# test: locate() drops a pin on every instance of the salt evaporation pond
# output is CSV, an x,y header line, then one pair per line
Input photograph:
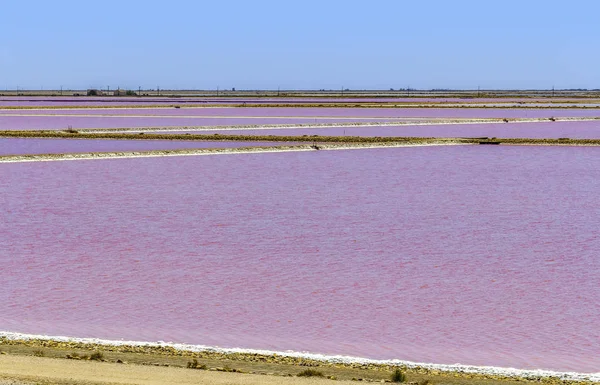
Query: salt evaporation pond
x,y
316,112
536,130
83,122
24,146
33,101
471,254
59,101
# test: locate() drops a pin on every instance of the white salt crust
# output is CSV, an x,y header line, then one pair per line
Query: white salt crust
x,y
458,368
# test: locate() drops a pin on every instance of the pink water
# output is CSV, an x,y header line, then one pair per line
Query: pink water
x,y
116,101
310,112
472,254
567,129
80,122
21,146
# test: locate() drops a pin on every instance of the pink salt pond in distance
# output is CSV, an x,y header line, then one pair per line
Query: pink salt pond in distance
x,y
31,101
316,112
13,123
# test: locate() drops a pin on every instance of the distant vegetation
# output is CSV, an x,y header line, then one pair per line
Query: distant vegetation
x,y
398,376
97,356
310,373
194,364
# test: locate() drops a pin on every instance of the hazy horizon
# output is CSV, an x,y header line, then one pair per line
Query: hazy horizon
x,y
331,90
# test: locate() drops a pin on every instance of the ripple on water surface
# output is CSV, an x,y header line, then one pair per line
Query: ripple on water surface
x,y
470,254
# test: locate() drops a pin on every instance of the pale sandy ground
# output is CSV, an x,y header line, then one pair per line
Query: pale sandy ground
x,y
23,370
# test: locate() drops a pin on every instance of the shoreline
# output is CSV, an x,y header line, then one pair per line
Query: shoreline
x,y
228,356
319,144
421,121
213,151
379,122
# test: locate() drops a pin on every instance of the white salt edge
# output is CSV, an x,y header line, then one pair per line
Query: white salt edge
x,y
492,370
383,122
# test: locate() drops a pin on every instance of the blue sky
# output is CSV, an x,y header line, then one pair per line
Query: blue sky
x,y
260,44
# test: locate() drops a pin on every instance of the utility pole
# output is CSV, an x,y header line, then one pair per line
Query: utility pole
x,y
408,91
217,91
60,90
478,89
277,91
139,90
158,90
552,91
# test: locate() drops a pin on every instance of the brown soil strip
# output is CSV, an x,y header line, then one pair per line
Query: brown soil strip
x,y
351,140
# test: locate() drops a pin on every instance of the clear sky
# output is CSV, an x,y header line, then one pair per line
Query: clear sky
x,y
307,44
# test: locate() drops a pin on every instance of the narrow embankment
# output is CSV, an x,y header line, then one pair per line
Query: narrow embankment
x,y
299,139
391,122
213,151
381,122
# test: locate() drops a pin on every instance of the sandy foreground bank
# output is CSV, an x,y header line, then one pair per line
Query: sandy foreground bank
x,y
40,370
19,367
75,361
